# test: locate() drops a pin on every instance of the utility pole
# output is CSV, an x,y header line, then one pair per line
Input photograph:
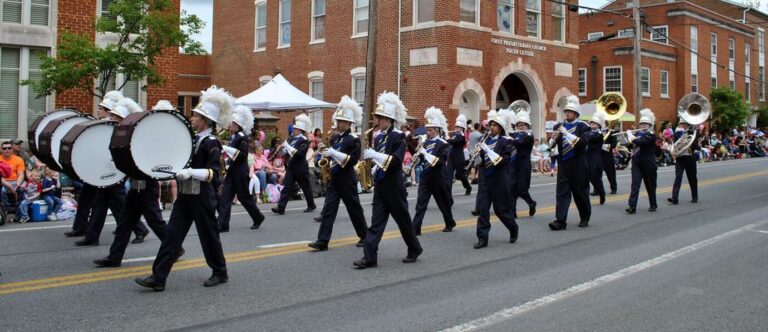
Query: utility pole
x,y
370,66
638,92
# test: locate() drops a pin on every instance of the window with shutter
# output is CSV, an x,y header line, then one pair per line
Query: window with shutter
x,y
131,90
39,12
12,11
36,106
9,91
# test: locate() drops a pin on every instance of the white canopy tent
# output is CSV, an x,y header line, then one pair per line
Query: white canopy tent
x,y
279,94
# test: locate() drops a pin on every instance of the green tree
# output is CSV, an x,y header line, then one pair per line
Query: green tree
x,y
141,30
762,117
728,108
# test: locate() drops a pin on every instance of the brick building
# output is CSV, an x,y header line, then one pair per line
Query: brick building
x,y
31,26
464,56
694,46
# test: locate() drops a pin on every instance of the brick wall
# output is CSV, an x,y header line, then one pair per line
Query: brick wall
x,y
237,67
79,16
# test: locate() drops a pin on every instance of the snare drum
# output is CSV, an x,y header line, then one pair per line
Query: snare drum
x,y
152,145
85,154
33,134
49,143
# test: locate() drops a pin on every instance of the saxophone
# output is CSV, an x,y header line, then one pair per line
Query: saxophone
x,y
325,167
363,166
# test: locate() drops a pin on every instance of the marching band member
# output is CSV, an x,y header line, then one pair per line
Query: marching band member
x,y
141,200
197,195
114,107
432,156
685,162
609,162
493,178
521,162
572,173
237,179
297,168
389,195
455,166
595,154
643,161
342,155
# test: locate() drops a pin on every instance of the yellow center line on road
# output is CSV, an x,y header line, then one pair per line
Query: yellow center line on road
x,y
253,255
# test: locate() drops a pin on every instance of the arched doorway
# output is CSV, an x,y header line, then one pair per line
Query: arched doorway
x,y
470,105
519,81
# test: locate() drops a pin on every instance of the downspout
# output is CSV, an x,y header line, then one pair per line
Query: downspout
x,y
744,15
399,23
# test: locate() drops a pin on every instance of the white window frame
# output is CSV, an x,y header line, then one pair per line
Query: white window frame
x,y
713,45
477,14
695,82
355,19
731,49
416,12
747,55
593,36
29,14
659,38
356,73
256,48
664,83
315,77
713,81
580,71
747,92
280,24
22,19
563,17
538,20
694,38
647,82
511,17
621,77
625,33
312,39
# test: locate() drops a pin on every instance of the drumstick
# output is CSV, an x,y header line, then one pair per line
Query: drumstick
x,y
163,171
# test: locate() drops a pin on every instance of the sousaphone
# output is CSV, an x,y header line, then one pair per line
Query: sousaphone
x,y
692,109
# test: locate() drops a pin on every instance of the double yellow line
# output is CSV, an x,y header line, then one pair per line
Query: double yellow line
x,y
254,255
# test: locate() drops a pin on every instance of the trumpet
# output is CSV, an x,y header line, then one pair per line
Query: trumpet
x,y
417,158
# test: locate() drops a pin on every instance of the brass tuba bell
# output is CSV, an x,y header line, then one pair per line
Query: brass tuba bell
x,y
519,105
613,104
694,109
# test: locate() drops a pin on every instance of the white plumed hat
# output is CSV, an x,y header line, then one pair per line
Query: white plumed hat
x,y
163,105
647,116
216,104
599,118
243,116
390,106
508,118
303,122
436,119
124,107
110,99
461,121
572,104
348,110
524,116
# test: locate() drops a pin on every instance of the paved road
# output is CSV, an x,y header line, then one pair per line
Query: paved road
x,y
688,267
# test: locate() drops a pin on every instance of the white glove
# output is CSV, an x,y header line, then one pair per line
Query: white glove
x,y
184,174
606,147
422,151
570,137
379,158
485,147
562,130
288,148
230,151
430,158
630,136
339,157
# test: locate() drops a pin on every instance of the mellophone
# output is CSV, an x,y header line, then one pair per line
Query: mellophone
x,y
143,146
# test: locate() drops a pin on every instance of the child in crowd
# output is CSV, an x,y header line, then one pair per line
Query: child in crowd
x,y
31,190
50,193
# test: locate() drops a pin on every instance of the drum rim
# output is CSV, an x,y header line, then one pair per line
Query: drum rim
x,y
31,132
47,156
130,123
69,141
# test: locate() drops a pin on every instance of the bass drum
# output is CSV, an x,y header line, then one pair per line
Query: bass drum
x,y
33,134
85,154
152,145
49,143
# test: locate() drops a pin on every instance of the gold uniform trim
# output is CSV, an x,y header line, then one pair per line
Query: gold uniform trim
x,y
345,161
496,160
386,163
237,152
434,161
209,178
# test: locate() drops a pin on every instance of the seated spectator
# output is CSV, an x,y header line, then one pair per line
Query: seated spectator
x,y
50,193
260,166
29,159
31,191
11,183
